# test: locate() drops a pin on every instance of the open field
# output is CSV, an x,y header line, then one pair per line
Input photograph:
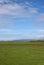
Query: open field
x,y
21,53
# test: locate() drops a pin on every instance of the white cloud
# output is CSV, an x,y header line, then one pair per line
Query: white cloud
x,y
41,30
5,30
17,36
40,17
2,23
17,10
1,1
33,10
40,36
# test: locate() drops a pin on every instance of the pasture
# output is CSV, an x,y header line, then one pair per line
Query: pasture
x,y
22,53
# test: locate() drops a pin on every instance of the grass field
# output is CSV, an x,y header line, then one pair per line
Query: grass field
x,y
21,53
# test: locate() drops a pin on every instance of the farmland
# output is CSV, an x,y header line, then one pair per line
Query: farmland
x,y
22,53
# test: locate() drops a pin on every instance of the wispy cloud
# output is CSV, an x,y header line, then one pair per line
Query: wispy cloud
x,y
17,10
33,10
5,31
15,36
40,17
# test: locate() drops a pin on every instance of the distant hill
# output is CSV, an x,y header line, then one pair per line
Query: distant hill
x,y
22,40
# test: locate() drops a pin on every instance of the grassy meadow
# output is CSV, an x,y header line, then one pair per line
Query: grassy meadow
x,y
22,53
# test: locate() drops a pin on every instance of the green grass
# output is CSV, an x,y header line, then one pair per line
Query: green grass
x,y
21,53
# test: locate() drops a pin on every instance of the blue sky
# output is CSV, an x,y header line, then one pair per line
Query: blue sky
x,y
21,19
